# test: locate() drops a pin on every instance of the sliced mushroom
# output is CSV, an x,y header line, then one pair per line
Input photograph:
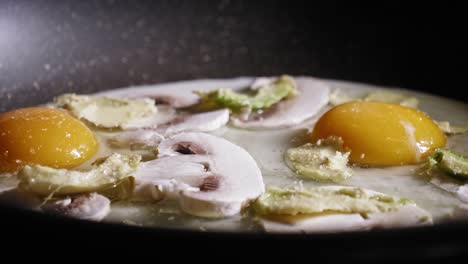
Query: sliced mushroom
x,y
90,206
164,115
202,122
313,96
406,215
210,176
175,99
177,94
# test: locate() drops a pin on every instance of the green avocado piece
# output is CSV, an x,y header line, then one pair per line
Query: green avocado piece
x,y
320,162
449,162
393,97
43,181
119,190
264,97
315,200
104,111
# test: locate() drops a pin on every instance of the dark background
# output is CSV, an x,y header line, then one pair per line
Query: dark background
x,y
50,47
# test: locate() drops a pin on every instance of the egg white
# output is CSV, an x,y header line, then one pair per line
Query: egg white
x,y
268,147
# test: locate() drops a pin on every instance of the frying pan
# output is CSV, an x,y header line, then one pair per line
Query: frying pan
x,y
53,47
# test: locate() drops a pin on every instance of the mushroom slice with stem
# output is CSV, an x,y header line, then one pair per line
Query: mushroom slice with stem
x,y
312,96
210,176
90,206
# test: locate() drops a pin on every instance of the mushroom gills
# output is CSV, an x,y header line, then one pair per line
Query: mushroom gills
x,y
207,181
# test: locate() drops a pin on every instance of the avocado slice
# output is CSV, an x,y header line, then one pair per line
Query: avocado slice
x,y
104,111
109,174
314,200
449,162
264,97
321,162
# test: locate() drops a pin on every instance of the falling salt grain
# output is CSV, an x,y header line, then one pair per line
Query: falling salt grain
x,y
36,86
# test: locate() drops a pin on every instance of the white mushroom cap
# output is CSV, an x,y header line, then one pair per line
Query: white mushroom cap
x,y
210,176
90,206
313,96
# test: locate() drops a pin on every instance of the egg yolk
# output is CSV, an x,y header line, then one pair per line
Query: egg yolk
x,y
45,136
381,134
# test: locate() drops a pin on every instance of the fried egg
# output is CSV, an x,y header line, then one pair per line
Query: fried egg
x,y
381,134
391,163
44,136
